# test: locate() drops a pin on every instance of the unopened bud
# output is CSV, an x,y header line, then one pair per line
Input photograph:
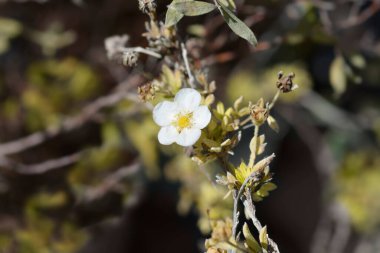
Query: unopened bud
x,y
146,92
147,6
130,58
259,112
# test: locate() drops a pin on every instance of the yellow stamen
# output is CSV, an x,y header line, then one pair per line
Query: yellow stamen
x,y
184,121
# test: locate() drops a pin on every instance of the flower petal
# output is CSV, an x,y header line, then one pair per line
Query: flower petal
x,y
164,113
201,117
188,137
188,99
167,135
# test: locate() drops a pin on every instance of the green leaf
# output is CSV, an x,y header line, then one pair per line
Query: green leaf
x,y
264,237
250,240
272,122
173,16
268,187
193,8
230,4
338,78
238,26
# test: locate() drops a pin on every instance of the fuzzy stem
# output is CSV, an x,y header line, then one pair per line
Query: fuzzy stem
x,y
248,203
236,201
274,100
144,51
187,66
245,121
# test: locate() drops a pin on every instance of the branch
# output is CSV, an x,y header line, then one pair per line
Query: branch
x,y
40,168
253,177
187,66
248,203
110,182
88,113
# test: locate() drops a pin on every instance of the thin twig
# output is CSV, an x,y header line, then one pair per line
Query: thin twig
x,y
87,114
274,100
187,66
361,18
253,176
248,203
39,168
143,51
110,182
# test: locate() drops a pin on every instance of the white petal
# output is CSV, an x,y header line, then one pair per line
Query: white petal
x,y
164,113
201,117
167,135
188,137
188,99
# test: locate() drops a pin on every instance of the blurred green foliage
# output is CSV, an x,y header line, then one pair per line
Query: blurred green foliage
x,y
9,28
358,189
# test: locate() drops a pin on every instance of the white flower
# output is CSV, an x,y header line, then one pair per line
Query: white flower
x,y
181,121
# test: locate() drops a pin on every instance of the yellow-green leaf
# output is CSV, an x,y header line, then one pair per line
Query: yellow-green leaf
x,y
273,124
264,237
173,16
338,78
250,240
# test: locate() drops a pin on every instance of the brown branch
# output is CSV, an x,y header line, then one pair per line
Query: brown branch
x,y
362,17
110,182
88,113
40,168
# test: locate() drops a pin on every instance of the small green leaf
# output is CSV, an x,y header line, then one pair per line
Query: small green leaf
x,y
193,8
273,124
238,26
250,240
173,16
268,187
264,237
338,78
230,4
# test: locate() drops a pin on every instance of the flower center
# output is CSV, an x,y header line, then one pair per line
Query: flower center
x,y
184,121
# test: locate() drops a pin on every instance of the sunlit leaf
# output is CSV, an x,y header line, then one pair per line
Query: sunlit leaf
x,y
238,26
338,78
193,8
273,124
250,240
228,3
264,237
173,16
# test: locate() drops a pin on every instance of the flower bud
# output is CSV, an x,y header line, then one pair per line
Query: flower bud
x,y
130,58
147,6
146,92
285,83
259,112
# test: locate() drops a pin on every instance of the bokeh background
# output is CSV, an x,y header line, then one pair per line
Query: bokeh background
x,y
80,167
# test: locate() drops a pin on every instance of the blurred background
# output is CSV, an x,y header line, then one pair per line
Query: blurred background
x,y
80,166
